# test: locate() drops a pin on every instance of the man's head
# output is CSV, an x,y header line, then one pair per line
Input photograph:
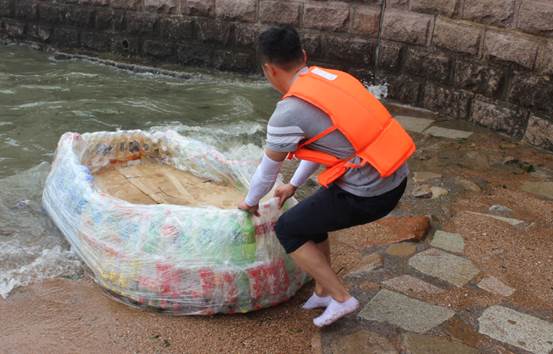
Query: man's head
x,y
281,56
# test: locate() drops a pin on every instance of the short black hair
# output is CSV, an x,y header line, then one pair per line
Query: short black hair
x,y
281,46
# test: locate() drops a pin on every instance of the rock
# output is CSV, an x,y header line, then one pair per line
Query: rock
x,y
445,266
510,221
423,191
500,209
539,132
510,121
468,185
421,344
362,341
494,285
403,249
367,265
405,312
543,189
518,329
438,192
407,227
448,241
448,133
407,284
420,177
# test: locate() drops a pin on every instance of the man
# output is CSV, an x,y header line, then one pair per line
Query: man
x,y
326,117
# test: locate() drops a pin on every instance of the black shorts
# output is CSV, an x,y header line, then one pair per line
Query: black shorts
x,y
331,209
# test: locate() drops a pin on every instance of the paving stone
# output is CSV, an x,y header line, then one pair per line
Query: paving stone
x,y
420,177
421,344
406,284
510,221
438,192
417,125
447,133
403,249
544,189
362,341
448,241
517,329
405,312
496,286
367,265
445,266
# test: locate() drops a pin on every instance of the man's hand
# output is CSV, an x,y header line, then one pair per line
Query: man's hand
x,y
284,192
254,210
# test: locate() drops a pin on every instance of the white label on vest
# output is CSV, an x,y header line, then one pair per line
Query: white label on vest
x,y
324,74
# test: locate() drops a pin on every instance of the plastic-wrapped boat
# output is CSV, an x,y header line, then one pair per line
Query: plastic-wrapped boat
x,y
125,202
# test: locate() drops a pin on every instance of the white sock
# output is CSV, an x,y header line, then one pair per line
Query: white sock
x,y
316,301
336,310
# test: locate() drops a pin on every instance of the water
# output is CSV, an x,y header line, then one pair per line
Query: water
x,y
42,98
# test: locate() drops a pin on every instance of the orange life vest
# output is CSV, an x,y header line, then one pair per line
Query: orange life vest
x,y
376,136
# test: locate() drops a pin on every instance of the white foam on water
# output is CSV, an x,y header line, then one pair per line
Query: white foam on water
x,y
7,92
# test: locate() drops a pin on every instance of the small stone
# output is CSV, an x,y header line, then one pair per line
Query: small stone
x,y
438,192
517,329
362,341
510,221
407,227
543,189
500,209
421,344
445,266
423,191
407,284
367,265
403,249
447,133
417,125
405,312
421,177
448,241
494,285
469,185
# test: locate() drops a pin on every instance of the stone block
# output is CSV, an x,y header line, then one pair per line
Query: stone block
x,y
454,103
539,133
239,10
141,23
25,10
329,16
214,31
389,56
545,59
491,12
478,78
512,47
158,49
406,27
448,241
161,6
407,227
403,88
445,266
54,15
79,16
423,344
176,28
442,7
100,42
94,2
246,34
349,50
510,121
457,36
532,91
366,20
126,4
6,8
535,17
405,312
204,8
398,4
13,28
103,20
517,329
402,249
234,61
495,286
312,43
407,284
279,12
426,63
65,37
195,54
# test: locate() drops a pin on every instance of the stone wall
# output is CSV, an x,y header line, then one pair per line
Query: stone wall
x,y
486,61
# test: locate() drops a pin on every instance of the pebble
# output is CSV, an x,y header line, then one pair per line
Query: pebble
x,y
423,191
500,209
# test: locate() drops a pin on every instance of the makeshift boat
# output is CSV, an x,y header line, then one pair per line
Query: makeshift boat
x,y
153,216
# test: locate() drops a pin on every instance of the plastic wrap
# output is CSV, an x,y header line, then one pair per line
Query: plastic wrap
x,y
181,259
